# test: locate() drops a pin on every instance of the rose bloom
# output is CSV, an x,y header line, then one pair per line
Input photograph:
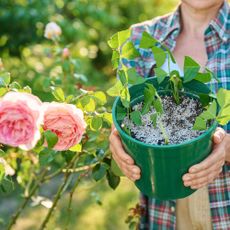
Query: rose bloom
x,y
66,121
20,119
65,53
52,30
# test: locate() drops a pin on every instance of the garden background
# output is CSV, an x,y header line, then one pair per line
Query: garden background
x,y
86,27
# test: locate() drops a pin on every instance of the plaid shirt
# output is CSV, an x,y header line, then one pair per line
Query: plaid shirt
x,y
161,214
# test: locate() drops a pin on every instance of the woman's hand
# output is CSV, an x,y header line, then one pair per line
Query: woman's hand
x,y
123,160
205,172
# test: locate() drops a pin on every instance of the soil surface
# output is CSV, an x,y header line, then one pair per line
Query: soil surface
x,y
178,121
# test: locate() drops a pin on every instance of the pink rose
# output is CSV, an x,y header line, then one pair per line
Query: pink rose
x,y
20,119
65,53
66,121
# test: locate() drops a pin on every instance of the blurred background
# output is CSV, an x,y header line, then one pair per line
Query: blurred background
x,y
86,26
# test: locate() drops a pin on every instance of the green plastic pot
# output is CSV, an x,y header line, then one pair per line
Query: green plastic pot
x,y
162,167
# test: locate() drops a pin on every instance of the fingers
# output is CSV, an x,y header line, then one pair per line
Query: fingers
x,y
219,135
203,178
206,171
131,171
115,141
124,161
216,156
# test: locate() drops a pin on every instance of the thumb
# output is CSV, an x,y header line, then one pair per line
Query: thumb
x,y
218,136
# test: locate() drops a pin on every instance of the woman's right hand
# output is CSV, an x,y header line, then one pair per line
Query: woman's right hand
x,y
123,160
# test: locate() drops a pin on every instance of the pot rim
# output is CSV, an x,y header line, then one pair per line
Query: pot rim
x,y
187,142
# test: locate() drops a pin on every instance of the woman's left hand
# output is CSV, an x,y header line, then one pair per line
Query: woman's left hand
x,y
205,172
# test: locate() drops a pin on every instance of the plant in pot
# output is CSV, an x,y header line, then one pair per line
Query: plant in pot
x,y
165,122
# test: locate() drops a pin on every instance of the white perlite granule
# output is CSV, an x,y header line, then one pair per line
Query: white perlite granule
x,y
178,121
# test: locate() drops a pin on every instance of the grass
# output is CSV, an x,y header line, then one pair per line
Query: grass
x,y
86,212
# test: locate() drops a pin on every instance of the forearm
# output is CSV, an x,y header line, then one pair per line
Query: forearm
x,y
227,142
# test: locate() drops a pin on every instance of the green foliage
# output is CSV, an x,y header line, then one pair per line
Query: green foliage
x,y
147,41
113,180
176,83
136,117
160,74
99,171
191,69
58,93
222,117
149,94
96,123
153,118
51,138
159,56
223,99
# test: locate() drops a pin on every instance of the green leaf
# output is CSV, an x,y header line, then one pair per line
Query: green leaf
x,y
113,180
46,156
147,41
123,36
121,113
7,185
99,171
203,77
115,59
223,99
153,118
76,148
210,113
204,99
191,69
149,94
129,51
136,117
125,97
176,85
108,117
96,123
90,106
4,79
133,77
158,105
51,138
159,56
197,87
200,124
118,39
3,91
100,97
115,169
113,41
223,119
123,77
115,90
160,74
58,93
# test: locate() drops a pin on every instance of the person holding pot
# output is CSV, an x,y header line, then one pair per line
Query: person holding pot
x,y
200,29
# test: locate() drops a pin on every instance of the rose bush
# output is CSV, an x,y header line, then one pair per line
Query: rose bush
x,y
66,136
